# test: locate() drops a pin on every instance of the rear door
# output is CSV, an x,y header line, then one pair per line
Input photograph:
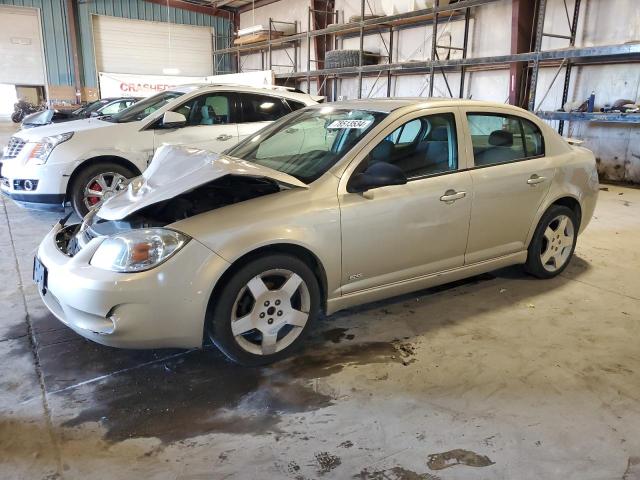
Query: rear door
x,y
511,175
257,111
211,123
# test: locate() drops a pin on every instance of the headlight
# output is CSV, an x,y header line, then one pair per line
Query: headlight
x,y
42,149
138,250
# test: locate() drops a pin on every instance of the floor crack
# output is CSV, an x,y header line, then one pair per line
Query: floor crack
x,y
34,349
631,297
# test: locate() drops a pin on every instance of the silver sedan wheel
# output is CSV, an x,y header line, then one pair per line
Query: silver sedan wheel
x,y
101,187
557,243
270,312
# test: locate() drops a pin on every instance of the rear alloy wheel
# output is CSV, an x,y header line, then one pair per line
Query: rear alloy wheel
x,y
97,183
265,310
553,242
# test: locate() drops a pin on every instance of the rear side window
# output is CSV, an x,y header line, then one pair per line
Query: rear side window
x,y
295,105
262,108
498,138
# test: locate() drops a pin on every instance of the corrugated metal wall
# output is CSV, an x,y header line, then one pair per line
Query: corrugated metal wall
x,y
55,30
57,51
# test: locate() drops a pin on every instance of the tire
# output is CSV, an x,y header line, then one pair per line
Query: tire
x,y
552,245
237,304
348,58
85,178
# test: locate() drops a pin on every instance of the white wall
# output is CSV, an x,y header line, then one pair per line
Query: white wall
x,y
286,11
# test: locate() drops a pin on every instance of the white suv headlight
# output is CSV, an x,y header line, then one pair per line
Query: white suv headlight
x,y
138,250
42,149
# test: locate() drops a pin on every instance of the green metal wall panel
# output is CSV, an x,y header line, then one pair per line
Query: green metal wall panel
x,y
57,49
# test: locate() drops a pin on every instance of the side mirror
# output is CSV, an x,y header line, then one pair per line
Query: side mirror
x,y
378,175
94,114
173,120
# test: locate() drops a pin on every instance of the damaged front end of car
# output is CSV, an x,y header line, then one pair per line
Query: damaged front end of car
x,y
180,183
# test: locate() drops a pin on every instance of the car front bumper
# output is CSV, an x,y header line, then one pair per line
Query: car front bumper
x,y
51,181
164,307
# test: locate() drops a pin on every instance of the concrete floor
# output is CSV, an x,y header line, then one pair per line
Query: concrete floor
x,y
499,377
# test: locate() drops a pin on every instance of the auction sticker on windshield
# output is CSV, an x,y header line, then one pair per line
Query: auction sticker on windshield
x,y
350,124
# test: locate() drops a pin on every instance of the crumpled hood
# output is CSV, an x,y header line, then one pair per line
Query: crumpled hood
x,y
175,170
38,118
36,134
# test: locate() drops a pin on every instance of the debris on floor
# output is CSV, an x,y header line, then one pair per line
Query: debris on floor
x,y
440,461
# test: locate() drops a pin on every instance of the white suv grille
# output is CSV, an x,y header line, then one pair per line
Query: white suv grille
x,y
14,147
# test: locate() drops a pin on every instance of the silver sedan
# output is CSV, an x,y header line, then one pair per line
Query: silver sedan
x,y
332,206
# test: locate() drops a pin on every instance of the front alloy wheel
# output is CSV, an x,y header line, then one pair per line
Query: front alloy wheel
x,y
101,187
265,309
95,183
270,312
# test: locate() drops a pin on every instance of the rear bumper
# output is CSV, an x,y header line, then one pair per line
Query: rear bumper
x,y
159,308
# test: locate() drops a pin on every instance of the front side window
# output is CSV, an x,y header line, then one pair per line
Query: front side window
x,y
309,142
262,108
210,109
423,146
498,138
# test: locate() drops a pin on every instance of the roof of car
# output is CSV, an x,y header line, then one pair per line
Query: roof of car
x,y
280,90
387,105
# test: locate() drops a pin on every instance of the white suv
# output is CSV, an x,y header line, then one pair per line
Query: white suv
x,y
86,161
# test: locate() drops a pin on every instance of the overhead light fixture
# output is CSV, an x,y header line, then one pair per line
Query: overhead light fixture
x,y
170,71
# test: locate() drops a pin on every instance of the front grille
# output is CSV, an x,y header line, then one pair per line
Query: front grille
x,y
14,147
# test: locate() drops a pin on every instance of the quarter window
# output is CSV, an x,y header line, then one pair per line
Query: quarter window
x,y
423,146
262,108
500,138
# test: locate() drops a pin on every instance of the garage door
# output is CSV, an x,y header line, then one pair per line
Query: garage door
x,y
21,59
150,48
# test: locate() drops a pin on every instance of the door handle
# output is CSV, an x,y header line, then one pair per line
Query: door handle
x,y
451,196
224,137
535,179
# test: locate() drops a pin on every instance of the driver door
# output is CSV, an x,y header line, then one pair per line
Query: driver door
x,y
397,233
211,123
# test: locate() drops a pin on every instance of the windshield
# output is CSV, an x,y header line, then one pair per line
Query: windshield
x,y
144,108
309,142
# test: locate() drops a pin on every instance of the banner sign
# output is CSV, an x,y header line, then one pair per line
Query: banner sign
x,y
130,85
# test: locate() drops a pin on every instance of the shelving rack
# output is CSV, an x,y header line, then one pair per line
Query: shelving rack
x,y
565,57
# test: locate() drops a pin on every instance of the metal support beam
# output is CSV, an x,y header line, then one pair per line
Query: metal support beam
x,y
73,36
207,10
533,84
522,17
567,75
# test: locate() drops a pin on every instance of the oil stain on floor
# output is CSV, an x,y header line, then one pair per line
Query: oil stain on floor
x,y
200,392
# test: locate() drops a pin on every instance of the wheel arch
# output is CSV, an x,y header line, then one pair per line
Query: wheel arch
x,y
567,200
94,161
296,250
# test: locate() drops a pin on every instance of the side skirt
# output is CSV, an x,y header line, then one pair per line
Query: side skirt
x,y
420,283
